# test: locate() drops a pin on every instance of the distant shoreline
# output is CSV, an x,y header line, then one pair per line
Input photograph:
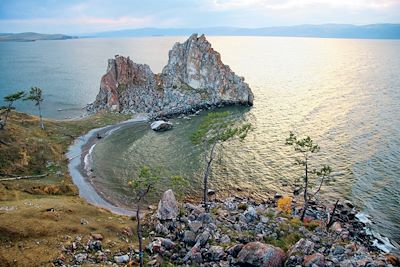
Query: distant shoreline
x,y
32,37
342,31
384,31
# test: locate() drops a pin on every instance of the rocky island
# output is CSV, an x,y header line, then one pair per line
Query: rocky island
x,y
194,77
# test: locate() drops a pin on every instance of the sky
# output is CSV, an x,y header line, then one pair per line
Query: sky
x,y
88,16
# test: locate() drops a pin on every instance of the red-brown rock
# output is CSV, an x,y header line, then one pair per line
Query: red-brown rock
x,y
260,254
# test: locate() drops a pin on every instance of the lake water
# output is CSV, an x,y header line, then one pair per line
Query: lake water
x,y
343,93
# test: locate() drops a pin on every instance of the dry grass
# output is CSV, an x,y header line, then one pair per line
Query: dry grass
x,y
38,216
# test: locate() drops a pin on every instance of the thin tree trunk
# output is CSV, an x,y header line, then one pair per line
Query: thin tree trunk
x,y
40,116
303,214
7,114
305,206
330,222
139,234
206,175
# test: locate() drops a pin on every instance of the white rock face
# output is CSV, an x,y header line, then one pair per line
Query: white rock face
x,y
167,207
194,77
160,126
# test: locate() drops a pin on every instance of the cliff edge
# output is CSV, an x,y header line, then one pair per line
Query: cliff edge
x,y
194,77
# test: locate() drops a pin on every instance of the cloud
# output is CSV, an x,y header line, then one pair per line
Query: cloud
x,y
79,25
293,4
85,16
88,21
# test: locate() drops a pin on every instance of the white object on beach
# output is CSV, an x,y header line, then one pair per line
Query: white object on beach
x,y
161,126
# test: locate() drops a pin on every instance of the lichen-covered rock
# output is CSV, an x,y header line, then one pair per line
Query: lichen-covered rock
x,y
193,78
259,254
167,207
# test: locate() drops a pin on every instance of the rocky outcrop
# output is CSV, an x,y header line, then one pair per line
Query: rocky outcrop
x,y
194,77
225,237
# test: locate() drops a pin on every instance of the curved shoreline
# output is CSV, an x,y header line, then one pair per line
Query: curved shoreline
x,y
79,156
80,162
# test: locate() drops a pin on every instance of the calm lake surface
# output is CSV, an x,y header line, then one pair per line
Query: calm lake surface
x,y
343,93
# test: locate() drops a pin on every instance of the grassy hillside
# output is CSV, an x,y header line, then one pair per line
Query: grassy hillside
x,y
38,215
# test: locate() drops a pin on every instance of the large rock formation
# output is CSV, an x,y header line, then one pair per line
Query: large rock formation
x,y
193,78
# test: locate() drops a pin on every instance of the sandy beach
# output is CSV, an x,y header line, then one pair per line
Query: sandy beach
x,y
79,156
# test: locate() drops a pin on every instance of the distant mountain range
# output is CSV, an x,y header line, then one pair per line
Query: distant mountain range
x,y
373,31
31,37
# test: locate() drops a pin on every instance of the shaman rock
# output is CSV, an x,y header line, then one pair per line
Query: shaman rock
x,y
194,77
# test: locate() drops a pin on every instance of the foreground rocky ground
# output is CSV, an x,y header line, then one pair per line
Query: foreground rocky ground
x,y
239,232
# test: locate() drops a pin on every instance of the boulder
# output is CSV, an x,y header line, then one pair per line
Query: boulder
x,y
195,226
302,247
250,214
189,237
167,207
216,253
260,254
167,243
202,238
121,259
160,126
80,258
97,236
225,239
316,259
234,250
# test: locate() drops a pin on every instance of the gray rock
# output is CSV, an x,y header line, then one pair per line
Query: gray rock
x,y
195,226
80,258
339,250
94,245
225,239
259,254
347,263
302,247
160,126
237,227
167,207
230,204
121,259
234,250
250,214
264,219
189,237
167,243
349,204
202,238
216,253
205,218
196,257
161,229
